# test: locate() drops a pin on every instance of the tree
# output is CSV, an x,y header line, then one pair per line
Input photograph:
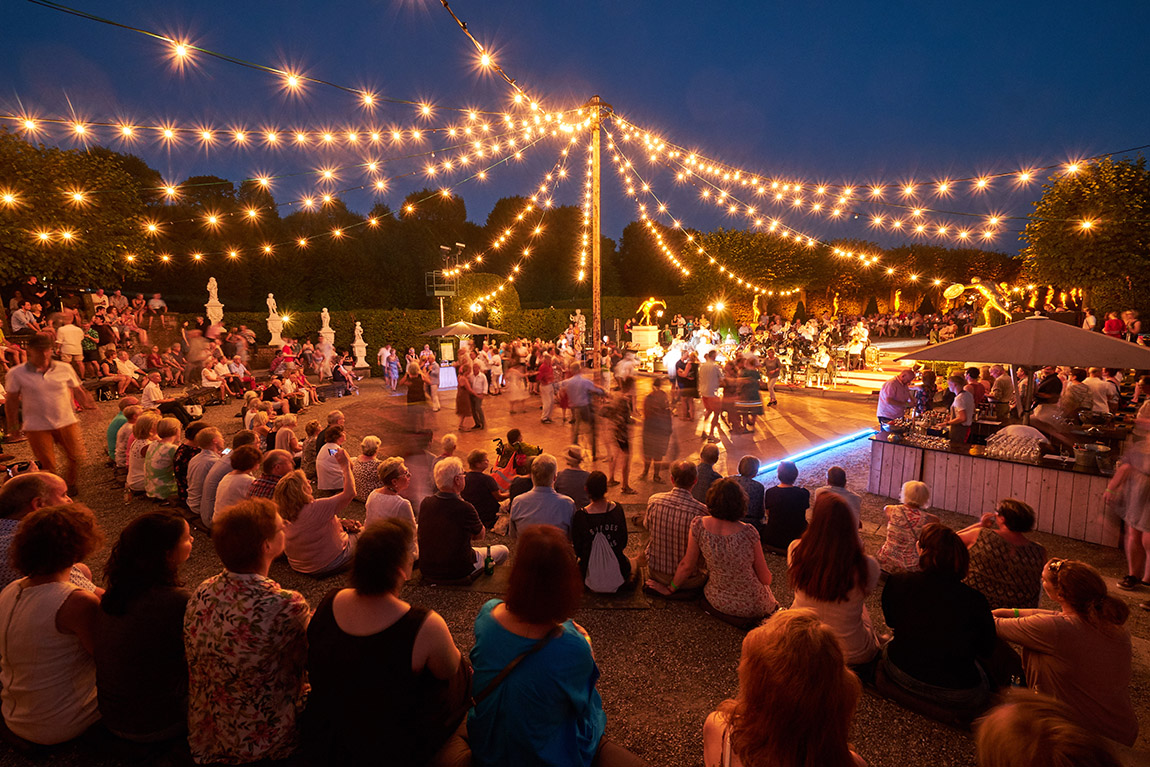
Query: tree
x,y
1091,230
105,226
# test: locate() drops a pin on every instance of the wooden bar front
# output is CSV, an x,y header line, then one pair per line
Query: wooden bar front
x,y
1066,503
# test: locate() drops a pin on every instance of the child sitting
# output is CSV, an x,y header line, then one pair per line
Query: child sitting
x,y
143,435
159,472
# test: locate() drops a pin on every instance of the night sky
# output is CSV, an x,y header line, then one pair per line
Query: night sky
x,y
857,93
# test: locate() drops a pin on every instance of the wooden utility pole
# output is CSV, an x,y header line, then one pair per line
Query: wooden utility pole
x,y
596,226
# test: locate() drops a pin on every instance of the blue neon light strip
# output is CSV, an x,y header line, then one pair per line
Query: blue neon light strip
x,y
816,450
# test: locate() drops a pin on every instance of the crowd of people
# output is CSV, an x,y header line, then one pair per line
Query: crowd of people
x,y
242,670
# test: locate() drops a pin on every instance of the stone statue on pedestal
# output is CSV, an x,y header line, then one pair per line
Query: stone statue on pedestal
x,y
325,331
273,311
275,322
215,310
359,346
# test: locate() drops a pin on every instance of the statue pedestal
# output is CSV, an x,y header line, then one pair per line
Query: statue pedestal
x,y
275,326
645,336
360,350
328,335
214,311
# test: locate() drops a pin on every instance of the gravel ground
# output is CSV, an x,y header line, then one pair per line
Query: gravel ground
x,y
663,667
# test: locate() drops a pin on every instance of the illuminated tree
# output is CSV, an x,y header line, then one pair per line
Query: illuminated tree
x,y
1091,230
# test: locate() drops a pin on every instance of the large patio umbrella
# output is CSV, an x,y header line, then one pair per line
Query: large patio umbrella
x,y
1036,342
462,328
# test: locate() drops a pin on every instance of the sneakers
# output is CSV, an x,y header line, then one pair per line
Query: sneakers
x,y
1129,583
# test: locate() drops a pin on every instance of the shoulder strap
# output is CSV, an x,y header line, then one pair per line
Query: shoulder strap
x,y
483,694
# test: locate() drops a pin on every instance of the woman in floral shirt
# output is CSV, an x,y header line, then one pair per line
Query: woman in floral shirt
x,y
904,524
246,644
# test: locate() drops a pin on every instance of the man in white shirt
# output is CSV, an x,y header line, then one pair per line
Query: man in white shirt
x,y
1100,389
130,373
961,412
710,376
99,301
46,391
70,337
1001,391
153,397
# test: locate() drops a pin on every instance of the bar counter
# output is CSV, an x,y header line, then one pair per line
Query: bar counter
x,y
1066,499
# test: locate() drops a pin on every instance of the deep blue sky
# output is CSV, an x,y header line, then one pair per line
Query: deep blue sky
x,y
858,92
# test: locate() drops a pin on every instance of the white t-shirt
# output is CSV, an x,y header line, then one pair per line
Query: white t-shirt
x,y
46,397
1090,322
99,301
479,383
380,506
209,383
964,402
126,368
151,395
1101,391
328,473
69,337
232,489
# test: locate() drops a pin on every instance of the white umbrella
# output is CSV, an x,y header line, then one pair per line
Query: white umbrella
x,y
462,328
1036,342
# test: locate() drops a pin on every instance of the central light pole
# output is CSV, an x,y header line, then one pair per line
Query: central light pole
x,y
596,226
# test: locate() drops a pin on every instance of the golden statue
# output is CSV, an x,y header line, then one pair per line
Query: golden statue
x,y
995,296
835,305
646,307
897,300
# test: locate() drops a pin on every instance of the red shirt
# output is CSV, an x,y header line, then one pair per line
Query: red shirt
x,y
1114,327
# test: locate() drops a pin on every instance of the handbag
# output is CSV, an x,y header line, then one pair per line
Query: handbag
x,y
472,701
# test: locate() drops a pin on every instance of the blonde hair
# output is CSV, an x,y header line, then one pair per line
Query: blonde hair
x,y
796,695
312,428
292,493
915,494
450,442
168,427
369,446
1031,730
145,425
259,419
285,421
390,469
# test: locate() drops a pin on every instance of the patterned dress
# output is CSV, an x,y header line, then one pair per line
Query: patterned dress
x,y
899,553
366,475
246,643
184,455
1007,575
733,587
159,476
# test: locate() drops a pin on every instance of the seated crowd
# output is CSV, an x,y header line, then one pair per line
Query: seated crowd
x,y
242,670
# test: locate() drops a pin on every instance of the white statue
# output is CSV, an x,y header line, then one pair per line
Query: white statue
x,y
213,297
326,319
272,310
359,346
358,332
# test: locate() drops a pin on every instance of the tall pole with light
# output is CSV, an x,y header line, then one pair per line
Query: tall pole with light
x,y
596,106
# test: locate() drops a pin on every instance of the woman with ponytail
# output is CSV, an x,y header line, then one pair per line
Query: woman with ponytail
x,y
1080,655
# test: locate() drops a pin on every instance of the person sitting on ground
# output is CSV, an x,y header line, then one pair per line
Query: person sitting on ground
x,y
310,452
942,628
1032,730
668,518
572,481
141,671
233,486
599,532
113,429
521,482
542,505
263,432
904,525
20,496
143,435
786,509
244,697
159,468
365,639
153,397
217,472
131,414
752,488
317,540
1005,565
1081,654
480,488
447,445
210,379
831,574
286,438
837,484
387,501
48,675
448,525
738,589
795,703
182,460
329,471
365,468
275,465
708,457
548,711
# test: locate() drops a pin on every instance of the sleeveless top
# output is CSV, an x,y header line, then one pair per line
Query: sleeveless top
x,y
1007,575
365,700
48,678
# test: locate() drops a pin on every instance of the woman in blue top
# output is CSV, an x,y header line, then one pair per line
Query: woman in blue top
x,y
547,711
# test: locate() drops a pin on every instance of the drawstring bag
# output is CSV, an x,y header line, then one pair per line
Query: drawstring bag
x,y
603,575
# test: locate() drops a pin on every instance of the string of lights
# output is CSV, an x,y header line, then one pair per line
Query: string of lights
x,y
183,53
626,170
909,190
69,236
541,201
